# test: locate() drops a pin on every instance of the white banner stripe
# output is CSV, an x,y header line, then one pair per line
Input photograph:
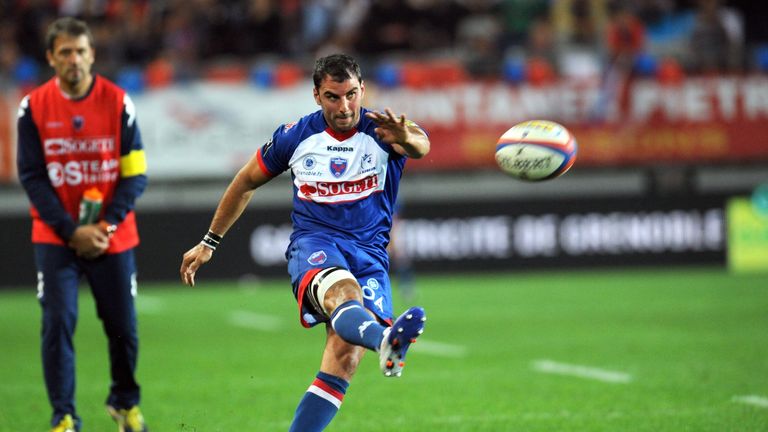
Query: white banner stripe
x,y
325,395
760,401
549,366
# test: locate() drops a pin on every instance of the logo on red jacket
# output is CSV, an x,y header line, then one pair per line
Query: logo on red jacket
x,y
78,122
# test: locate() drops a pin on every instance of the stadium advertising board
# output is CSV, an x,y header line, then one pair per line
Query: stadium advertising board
x,y
697,120
207,129
469,236
542,235
747,236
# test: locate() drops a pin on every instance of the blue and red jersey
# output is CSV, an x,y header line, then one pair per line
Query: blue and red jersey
x,y
343,184
66,146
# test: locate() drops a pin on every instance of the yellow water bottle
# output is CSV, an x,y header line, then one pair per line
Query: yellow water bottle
x,y
90,206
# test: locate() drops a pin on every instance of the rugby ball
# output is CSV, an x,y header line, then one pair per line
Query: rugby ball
x,y
536,150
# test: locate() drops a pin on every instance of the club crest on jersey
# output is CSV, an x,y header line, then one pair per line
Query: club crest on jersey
x,y
78,122
338,166
317,258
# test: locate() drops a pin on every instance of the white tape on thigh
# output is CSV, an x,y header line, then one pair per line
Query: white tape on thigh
x,y
330,277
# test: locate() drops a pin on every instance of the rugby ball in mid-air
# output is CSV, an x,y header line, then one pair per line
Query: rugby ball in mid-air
x,y
536,150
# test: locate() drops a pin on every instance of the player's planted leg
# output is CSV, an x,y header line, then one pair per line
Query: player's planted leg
x,y
128,420
320,403
398,338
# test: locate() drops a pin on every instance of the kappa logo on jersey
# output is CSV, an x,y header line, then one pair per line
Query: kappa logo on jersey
x,y
317,258
338,166
78,122
330,189
342,149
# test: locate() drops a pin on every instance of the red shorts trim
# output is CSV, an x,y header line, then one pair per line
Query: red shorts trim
x,y
305,280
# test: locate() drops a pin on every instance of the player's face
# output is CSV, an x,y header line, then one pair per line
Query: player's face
x,y
71,58
340,102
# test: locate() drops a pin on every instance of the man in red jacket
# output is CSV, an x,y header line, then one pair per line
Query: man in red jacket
x,y
78,138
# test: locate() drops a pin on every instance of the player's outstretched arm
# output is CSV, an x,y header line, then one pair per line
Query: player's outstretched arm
x,y
231,206
405,136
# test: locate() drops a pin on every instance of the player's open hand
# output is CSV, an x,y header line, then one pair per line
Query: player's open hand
x,y
192,261
391,129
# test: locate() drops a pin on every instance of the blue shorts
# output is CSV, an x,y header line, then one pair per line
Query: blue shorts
x,y
308,254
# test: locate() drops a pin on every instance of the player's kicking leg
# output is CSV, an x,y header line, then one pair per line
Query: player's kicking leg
x,y
336,292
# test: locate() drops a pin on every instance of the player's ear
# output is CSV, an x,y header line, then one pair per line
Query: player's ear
x,y
362,89
316,94
49,57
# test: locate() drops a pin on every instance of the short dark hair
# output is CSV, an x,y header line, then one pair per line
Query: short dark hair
x,y
340,67
67,25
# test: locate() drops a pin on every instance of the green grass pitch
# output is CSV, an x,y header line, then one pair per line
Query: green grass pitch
x,y
619,350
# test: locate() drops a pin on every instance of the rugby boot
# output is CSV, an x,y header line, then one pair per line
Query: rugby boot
x,y
128,420
66,424
397,340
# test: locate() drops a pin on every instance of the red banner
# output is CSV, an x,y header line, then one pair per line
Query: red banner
x,y
720,119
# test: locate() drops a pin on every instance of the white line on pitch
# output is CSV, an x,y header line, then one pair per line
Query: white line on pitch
x,y
760,401
149,304
439,349
256,321
553,367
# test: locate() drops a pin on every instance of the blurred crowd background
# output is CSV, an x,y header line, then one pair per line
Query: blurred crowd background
x,y
152,43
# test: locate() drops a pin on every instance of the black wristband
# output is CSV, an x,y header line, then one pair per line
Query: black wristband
x,y
211,240
217,238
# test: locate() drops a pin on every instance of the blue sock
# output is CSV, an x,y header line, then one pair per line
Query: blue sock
x,y
319,404
356,326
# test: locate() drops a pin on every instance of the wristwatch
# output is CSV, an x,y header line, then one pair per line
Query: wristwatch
x,y
108,228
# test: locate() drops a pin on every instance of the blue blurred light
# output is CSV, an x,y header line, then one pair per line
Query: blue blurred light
x,y
263,76
26,70
761,57
389,75
131,79
646,65
514,71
